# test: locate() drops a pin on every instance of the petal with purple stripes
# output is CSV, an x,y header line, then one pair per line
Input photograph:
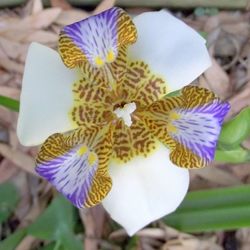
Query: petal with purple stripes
x,y
76,171
189,125
196,130
96,39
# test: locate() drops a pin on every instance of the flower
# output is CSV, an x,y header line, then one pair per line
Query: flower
x,y
111,134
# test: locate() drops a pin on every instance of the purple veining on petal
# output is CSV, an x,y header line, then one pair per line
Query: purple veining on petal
x,y
71,174
198,128
96,35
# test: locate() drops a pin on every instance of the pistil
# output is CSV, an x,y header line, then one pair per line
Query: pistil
x,y
125,113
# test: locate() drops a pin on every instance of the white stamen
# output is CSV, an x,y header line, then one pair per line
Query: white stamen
x,y
126,112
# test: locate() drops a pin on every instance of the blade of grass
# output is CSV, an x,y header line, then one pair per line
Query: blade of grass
x,y
9,103
9,198
13,240
211,210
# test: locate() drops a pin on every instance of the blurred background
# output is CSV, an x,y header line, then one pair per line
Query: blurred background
x,y
30,216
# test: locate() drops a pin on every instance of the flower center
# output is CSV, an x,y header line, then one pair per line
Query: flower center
x,y
125,113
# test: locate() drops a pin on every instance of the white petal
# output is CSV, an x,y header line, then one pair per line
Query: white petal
x,y
145,189
170,47
46,96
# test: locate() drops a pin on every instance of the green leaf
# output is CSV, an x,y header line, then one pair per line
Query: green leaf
x,y
235,131
236,155
53,246
174,93
9,198
55,219
57,224
69,241
9,103
132,243
211,210
199,11
13,240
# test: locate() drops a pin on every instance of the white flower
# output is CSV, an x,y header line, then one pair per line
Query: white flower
x,y
112,135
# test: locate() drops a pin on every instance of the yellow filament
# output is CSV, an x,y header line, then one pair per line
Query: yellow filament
x,y
174,116
171,128
98,61
83,150
92,158
110,56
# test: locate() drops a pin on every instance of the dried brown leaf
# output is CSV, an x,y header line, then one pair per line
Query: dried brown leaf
x,y
70,16
26,243
11,48
5,77
239,101
104,5
42,36
40,20
63,4
191,244
10,92
94,220
218,176
37,6
218,80
243,236
20,159
11,65
7,170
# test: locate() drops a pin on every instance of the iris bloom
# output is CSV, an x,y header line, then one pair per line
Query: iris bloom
x,y
109,132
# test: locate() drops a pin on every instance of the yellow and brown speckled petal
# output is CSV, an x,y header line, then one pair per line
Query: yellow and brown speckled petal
x,y
132,141
96,39
77,164
189,125
185,158
92,99
142,86
195,96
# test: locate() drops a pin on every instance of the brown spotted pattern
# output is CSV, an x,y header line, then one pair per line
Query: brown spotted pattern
x,y
98,141
129,142
102,182
141,86
73,56
157,119
196,96
95,105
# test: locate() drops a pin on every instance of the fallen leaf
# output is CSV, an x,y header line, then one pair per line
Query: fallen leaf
x,y
218,176
7,170
10,92
239,101
11,65
20,159
218,80
41,36
104,5
37,6
39,20
26,243
71,16
63,4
